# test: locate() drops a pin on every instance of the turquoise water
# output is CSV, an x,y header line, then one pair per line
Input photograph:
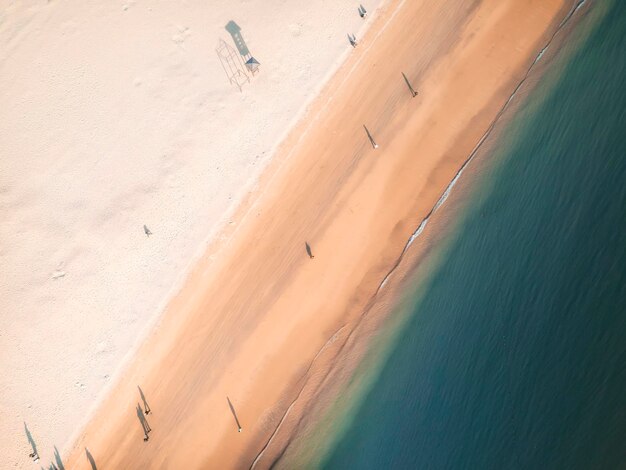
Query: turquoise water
x,y
516,355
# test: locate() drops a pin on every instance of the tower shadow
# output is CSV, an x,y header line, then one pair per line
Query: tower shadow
x,y
92,462
235,31
232,410
57,458
308,250
34,454
146,407
144,422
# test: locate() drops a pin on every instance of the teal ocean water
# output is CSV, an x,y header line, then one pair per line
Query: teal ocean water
x,y
515,355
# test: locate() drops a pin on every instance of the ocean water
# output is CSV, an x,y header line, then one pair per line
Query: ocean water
x,y
515,355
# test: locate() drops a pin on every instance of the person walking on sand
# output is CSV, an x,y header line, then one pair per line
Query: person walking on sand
x,y
308,250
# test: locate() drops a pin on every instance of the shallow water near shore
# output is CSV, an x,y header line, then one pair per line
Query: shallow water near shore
x,y
514,356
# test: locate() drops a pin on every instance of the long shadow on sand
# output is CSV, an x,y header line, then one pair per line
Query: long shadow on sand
x,y
144,422
91,459
235,31
146,407
307,247
57,458
232,410
31,441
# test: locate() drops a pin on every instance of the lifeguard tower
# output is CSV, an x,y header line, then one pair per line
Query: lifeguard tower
x,y
235,32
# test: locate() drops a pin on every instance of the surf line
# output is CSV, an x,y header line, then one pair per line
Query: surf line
x,y
477,147
418,231
330,341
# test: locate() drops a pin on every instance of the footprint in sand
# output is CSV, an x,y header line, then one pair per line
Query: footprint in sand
x,y
58,272
295,29
102,347
181,36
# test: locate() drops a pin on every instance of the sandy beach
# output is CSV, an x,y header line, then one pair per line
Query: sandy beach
x,y
117,115
248,325
256,311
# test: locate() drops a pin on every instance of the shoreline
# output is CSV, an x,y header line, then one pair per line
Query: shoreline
x,y
369,338
167,344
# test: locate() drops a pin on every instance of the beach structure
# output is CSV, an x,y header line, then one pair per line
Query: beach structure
x,y
252,65
406,80
232,64
235,32
369,136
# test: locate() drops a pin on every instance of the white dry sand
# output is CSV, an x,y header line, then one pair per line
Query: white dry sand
x,y
115,114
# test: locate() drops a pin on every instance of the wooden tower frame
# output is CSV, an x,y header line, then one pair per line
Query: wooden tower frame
x,y
232,64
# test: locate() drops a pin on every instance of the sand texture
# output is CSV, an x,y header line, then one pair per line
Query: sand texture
x,y
250,321
115,115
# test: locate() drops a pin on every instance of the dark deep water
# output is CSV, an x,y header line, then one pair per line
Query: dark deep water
x,y
516,355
